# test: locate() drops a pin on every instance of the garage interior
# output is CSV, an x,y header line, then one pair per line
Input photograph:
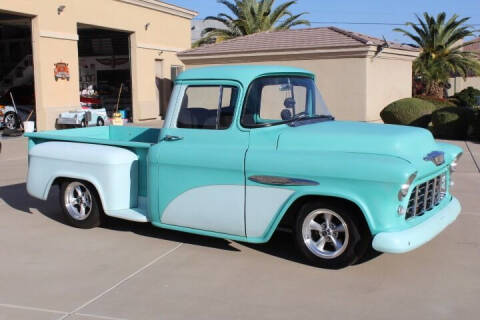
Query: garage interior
x,y
104,63
16,66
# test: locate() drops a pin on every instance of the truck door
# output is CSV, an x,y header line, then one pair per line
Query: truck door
x,y
202,158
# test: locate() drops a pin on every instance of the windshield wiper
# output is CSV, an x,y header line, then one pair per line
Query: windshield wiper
x,y
300,117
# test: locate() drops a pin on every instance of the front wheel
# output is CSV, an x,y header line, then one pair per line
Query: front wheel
x,y
80,204
329,235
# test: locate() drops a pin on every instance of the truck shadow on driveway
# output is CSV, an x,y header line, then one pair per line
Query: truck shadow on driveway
x,y
16,197
281,245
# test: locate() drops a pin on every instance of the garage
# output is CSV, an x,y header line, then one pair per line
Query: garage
x,y
17,98
84,51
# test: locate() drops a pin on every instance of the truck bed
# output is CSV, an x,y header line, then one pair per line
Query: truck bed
x,y
131,137
137,139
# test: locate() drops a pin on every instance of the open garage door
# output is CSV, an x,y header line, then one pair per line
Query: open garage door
x,y
16,70
104,62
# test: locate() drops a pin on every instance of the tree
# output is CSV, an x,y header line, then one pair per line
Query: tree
x,y
248,17
442,54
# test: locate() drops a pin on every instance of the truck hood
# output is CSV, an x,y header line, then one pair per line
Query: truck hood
x,y
409,143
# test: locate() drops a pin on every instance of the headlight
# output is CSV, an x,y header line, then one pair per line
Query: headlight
x,y
454,164
406,186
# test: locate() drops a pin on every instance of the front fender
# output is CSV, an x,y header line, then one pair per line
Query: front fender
x,y
370,181
375,204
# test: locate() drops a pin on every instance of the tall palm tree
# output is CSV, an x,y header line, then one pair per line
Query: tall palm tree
x,y
250,16
442,55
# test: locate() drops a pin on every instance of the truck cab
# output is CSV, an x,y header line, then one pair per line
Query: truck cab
x,y
245,149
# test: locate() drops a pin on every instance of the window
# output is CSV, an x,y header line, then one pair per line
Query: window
x,y
207,107
277,100
274,95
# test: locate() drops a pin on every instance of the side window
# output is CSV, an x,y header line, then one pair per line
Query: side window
x,y
207,107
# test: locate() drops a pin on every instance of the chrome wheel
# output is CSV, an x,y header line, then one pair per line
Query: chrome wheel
x,y
325,233
10,121
78,201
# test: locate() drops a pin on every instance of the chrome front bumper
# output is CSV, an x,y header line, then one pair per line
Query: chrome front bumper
x,y
412,238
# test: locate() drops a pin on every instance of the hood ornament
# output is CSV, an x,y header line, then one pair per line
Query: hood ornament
x,y
437,157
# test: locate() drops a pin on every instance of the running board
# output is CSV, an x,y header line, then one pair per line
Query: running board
x,y
132,214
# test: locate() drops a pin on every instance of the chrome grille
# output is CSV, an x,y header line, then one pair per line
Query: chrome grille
x,y
426,196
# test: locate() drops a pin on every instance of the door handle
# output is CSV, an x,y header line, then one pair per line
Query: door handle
x,y
171,138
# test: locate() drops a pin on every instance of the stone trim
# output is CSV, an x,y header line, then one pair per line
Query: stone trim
x,y
158,48
163,7
59,35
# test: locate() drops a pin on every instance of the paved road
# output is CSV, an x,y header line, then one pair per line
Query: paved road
x,y
49,270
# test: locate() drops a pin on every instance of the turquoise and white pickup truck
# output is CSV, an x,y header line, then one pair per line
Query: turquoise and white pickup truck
x,y
245,150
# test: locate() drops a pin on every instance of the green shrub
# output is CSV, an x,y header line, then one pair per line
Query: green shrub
x,y
474,124
408,111
438,102
451,122
467,97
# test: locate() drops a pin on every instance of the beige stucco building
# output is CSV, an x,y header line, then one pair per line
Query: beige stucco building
x,y
358,75
156,31
457,84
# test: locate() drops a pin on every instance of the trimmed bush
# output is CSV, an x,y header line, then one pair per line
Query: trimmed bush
x,y
438,102
451,122
408,111
467,97
474,124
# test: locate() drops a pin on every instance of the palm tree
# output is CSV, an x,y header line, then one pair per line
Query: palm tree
x,y
248,17
442,55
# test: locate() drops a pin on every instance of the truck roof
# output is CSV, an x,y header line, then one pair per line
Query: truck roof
x,y
241,73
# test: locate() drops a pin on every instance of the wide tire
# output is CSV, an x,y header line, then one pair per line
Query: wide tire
x,y
80,204
330,235
100,122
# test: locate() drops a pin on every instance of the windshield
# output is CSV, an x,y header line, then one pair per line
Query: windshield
x,y
277,100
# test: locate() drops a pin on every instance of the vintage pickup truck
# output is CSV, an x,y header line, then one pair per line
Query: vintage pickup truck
x,y
246,149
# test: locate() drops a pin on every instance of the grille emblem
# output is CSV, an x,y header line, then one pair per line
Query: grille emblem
x,y
437,157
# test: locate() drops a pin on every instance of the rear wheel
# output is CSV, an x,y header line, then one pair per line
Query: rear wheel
x,y
100,122
329,235
80,204
84,123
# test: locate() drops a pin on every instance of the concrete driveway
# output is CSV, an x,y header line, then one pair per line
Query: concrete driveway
x,y
125,270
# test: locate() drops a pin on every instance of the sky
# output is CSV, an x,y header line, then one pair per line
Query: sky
x,y
351,14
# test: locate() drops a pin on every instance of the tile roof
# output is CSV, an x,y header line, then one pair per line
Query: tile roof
x,y
473,46
293,39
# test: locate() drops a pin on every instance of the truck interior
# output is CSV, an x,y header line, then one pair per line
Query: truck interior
x,y
208,107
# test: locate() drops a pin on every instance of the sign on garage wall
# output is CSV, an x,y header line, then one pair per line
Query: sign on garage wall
x,y
61,71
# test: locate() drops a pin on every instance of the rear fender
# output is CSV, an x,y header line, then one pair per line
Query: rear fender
x,y
112,170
